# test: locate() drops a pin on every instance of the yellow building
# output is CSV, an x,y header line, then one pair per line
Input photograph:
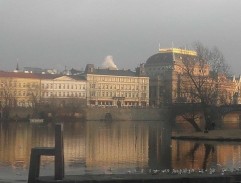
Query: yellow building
x,y
106,87
19,89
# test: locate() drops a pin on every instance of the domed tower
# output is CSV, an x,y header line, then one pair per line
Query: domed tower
x,y
165,75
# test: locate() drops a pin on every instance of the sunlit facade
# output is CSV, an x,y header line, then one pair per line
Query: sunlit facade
x,y
120,88
27,89
169,82
63,88
19,89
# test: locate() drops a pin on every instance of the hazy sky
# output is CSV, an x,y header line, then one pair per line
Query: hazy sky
x,y
72,33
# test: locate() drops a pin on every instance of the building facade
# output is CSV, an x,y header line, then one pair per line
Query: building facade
x,y
121,88
28,89
63,89
19,89
170,83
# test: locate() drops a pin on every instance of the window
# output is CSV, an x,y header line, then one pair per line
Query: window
x,y
92,94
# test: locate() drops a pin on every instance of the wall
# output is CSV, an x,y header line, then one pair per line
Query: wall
x,y
128,114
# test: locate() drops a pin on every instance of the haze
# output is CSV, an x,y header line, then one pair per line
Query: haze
x,y
72,33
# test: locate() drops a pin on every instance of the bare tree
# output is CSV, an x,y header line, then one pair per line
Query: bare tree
x,y
7,97
202,79
34,96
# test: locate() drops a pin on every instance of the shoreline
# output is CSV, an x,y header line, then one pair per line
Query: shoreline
x,y
212,135
142,178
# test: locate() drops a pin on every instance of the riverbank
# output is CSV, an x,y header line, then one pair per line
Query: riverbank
x,y
142,178
212,135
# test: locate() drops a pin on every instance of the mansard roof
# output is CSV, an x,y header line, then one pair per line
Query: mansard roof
x,y
113,72
77,77
36,76
159,58
18,75
166,58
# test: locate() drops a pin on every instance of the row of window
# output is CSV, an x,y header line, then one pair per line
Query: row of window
x,y
120,79
63,86
126,103
123,87
117,94
17,93
63,94
18,84
21,103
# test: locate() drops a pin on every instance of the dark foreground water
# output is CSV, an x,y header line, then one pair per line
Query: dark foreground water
x,y
96,147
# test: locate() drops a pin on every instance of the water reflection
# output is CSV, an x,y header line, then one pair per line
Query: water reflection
x,y
117,147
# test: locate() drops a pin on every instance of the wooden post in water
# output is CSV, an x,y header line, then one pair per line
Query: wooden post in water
x,y
59,152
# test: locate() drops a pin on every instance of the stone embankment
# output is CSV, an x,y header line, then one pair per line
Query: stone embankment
x,y
98,114
127,114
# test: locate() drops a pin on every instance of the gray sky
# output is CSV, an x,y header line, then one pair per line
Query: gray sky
x,y
72,33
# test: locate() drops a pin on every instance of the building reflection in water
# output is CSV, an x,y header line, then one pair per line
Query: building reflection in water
x,y
116,145
97,147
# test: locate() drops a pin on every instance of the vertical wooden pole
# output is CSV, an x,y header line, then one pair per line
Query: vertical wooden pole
x,y
34,166
59,152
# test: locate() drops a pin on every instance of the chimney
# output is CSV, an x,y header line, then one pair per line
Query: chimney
x,y
89,68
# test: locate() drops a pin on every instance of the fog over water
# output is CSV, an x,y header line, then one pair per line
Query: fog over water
x,y
72,33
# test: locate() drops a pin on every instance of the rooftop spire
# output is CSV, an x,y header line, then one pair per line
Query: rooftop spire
x,y
17,67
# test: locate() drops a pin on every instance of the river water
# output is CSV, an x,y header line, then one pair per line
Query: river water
x,y
95,147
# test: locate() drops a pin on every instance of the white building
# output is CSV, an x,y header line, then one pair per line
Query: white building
x,y
63,88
